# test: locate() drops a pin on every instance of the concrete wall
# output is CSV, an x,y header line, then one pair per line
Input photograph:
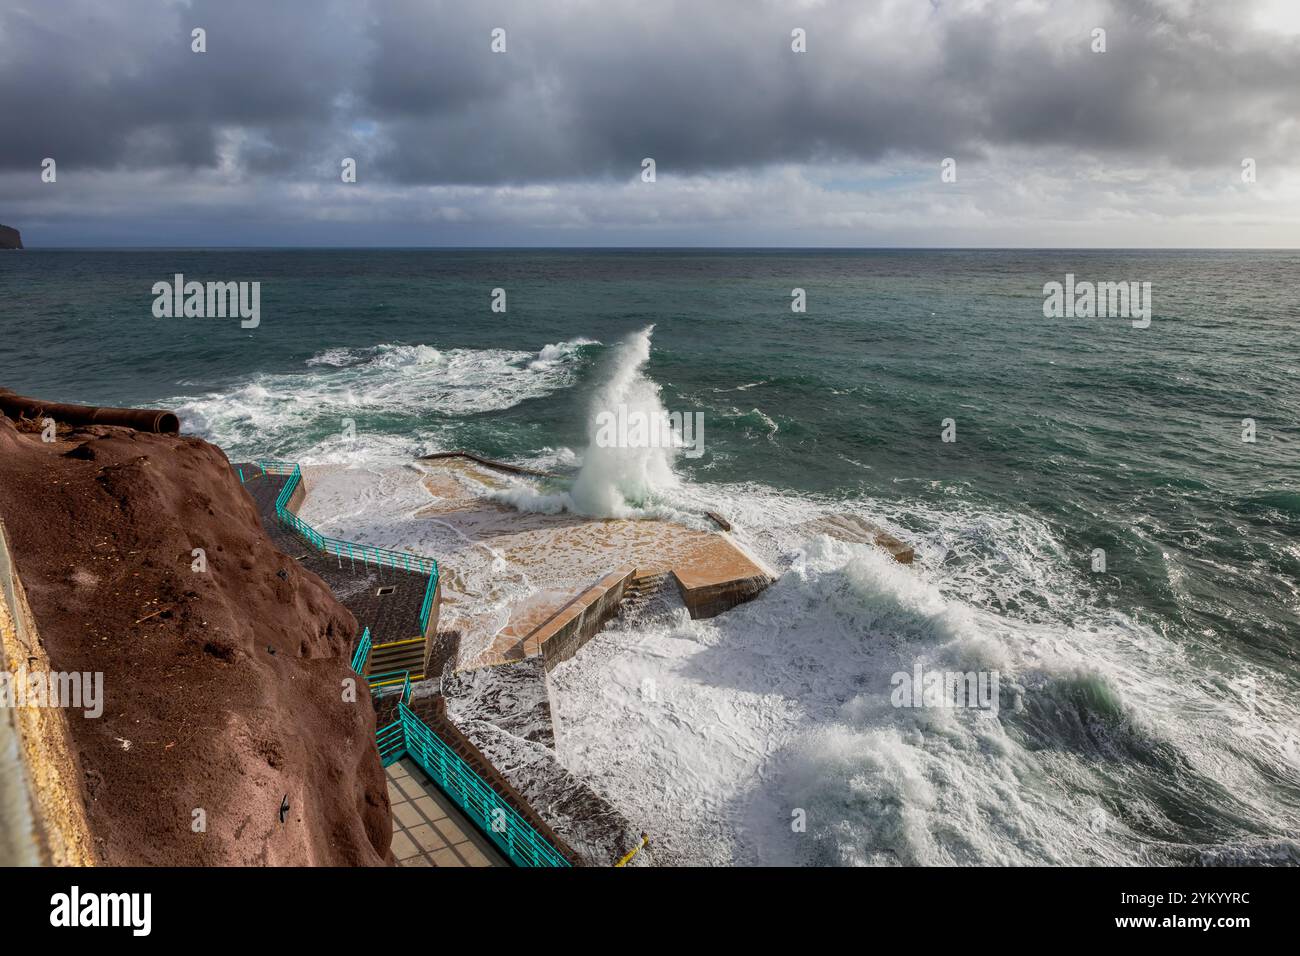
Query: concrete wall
x,y
488,462
578,621
433,711
431,629
42,819
299,495
708,600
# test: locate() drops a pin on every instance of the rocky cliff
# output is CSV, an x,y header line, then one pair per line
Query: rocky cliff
x,y
9,238
228,736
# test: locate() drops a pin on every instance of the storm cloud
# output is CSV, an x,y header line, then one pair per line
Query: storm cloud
x,y
454,142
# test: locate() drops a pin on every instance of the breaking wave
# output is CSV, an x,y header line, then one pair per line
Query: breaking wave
x,y
614,480
397,397
1113,742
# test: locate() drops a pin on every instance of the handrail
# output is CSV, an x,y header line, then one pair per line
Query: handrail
x,y
366,553
512,834
378,682
362,653
391,741
369,554
427,607
409,735
627,857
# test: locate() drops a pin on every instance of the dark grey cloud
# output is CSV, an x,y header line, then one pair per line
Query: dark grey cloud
x,y
544,143
115,84
714,86
587,90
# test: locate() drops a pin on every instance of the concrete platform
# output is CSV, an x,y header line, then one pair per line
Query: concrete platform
x,y
860,531
574,567
428,829
537,628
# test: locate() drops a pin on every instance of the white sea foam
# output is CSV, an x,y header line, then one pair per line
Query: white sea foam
x,y
301,415
619,481
615,480
783,704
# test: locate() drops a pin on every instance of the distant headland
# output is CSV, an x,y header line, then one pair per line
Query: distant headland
x,y
9,238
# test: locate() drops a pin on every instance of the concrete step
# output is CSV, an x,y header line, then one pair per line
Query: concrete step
x,y
640,591
401,656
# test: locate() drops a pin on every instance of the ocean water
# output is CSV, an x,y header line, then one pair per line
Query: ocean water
x,y
1149,712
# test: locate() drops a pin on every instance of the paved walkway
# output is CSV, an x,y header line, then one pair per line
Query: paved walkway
x,y
428,829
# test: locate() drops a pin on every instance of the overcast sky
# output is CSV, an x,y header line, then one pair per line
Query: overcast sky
x,y
754,143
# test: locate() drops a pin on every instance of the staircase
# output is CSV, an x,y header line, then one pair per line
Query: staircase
x,y
640,591
407,655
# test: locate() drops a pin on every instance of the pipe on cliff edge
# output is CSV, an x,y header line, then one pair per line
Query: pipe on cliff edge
x,y
141,419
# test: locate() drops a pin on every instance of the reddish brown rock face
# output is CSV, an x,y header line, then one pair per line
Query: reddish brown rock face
x,y
223,688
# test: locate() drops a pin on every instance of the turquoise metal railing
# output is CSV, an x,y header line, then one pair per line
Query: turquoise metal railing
x,y
362,652
499,821
391,742
389,681
402,560
427,607
409,735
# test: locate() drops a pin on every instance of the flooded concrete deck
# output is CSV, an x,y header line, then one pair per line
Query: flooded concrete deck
x,y
564,563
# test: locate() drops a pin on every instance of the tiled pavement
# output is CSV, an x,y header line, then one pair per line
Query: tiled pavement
x,y
428,830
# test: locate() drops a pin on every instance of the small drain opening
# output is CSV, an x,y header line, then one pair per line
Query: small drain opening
x,y
387,589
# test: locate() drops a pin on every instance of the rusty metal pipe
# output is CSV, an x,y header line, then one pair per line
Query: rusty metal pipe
x,y
141,419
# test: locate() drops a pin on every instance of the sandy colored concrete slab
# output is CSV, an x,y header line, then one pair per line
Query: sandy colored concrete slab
x,y
553,561
556,633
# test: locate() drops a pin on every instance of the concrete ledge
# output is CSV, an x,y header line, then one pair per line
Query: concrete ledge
x,y
861,531
902,553
717,519
506,712
488,462
298,497
578,621
708,598
430,634
434,712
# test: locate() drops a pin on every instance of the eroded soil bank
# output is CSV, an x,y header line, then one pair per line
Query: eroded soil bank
x,y
223,688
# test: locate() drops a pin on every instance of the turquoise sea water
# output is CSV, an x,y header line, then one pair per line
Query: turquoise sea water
x,y
1072,435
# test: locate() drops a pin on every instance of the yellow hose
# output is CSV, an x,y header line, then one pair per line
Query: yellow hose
x,y
645,841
